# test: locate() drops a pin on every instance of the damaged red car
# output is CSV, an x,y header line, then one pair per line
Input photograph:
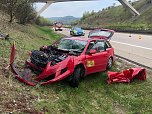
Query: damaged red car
x,y
72,58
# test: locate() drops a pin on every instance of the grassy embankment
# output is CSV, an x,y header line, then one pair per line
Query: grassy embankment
x,y
119,18
93,96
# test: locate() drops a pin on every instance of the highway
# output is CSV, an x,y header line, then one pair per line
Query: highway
x,y
137,48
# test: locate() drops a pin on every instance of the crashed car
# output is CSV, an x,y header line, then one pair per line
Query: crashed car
x,y
101,34
4,36
77,31
72,58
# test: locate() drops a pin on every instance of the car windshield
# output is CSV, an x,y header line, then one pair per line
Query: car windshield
x,y
77,29
58,24
100,33
70,45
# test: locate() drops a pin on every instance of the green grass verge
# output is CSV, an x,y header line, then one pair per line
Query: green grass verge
x,y
95,96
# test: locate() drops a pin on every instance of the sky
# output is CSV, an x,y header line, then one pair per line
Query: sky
x,y
75,8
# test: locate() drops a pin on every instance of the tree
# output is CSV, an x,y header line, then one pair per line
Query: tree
x,y
21,10
9,6
25,11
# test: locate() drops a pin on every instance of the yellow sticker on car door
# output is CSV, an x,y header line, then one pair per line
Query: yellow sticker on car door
x,y
90,63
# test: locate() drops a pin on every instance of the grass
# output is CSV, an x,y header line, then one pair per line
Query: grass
x,y
27,39
94,95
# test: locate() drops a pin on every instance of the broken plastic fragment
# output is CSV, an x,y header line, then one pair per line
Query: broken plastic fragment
x,y
127,75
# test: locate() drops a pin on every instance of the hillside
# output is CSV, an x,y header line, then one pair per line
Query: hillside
x,y
14,96
64,20
118,16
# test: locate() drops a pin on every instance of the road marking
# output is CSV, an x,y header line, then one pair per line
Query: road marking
x,y
132,45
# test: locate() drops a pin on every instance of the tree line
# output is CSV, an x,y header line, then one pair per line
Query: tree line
x,y
21,11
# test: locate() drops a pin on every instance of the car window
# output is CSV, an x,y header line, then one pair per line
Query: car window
x,y
91,45
97,45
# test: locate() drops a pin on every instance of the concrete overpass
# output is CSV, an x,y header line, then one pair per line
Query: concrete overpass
x,y
126,4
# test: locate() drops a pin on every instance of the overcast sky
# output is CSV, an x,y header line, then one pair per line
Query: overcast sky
x,y
74,8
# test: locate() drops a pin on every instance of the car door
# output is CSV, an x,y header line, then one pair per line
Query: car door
x,y
96,62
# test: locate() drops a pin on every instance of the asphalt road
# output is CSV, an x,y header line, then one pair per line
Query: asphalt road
x,y
137,48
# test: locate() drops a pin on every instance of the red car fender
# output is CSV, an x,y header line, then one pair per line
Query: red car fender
x,y
56,69
80,60
13,51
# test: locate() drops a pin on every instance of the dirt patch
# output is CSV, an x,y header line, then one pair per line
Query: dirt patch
x,y
15,97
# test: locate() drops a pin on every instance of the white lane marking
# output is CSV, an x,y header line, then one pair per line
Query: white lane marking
x,y
132,45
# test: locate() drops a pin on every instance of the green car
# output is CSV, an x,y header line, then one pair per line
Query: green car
x,y
77,31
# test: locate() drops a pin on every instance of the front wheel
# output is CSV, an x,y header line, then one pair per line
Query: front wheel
x,y
109,64
75,79
71,33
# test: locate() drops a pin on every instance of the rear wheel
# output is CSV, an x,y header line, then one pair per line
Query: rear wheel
x,y
109,64
71,33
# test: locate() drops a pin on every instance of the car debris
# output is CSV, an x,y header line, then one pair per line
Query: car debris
x,y
127,76
4,36
72,58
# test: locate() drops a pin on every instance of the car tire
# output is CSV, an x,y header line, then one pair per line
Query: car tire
x,y
72,34
110,62
75,79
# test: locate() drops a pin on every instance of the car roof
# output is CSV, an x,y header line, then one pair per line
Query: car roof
x,y
83,39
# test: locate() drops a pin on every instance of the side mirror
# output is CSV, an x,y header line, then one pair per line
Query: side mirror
x,y
92,51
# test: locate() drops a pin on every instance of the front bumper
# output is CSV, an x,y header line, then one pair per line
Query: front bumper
x,y
47,76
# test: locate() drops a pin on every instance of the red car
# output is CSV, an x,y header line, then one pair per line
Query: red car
x,y
58,26
101,33
72,58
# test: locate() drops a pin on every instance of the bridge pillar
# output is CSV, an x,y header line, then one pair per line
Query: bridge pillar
x,y
44,7
129,7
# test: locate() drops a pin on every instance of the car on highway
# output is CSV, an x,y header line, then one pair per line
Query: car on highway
x,y
71,58
58,26
101,34
77,31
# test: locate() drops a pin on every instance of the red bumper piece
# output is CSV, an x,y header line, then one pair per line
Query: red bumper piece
x,y
127,75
